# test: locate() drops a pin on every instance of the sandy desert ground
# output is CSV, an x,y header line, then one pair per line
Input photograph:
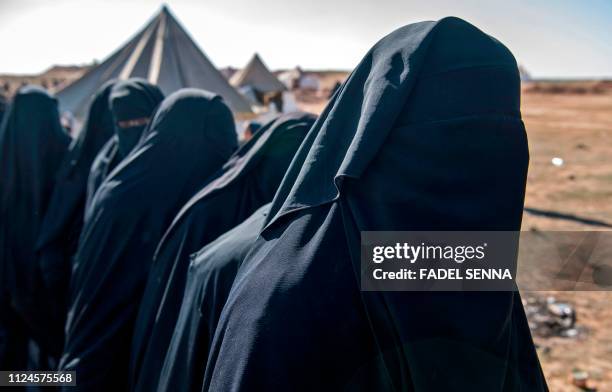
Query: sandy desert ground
x,y
578,129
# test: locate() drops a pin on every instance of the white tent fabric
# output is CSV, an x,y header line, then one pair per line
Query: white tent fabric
x,y
164,54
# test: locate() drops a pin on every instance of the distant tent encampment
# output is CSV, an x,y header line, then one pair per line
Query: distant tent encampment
x,y
525,75
164,54
297,78
258,84
257,76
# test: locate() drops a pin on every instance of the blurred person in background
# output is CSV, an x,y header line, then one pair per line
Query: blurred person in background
x,y
61,227
32,147
250,128
3,105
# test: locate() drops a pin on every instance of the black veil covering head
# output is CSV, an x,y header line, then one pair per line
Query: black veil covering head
x,y
132,102
248,180
188,140
63,220
209,279
3,104
425,134
32,146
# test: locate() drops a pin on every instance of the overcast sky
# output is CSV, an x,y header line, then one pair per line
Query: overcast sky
x,y
551,38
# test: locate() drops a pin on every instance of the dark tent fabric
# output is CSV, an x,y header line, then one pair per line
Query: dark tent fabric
x,y
131,99
426,134
209,280
188,140
162,53
32,146
61,227
248,181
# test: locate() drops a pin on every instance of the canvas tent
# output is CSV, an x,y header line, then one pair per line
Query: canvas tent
x,y
163,53
258,85
257,76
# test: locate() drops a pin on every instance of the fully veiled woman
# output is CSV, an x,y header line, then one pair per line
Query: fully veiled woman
x,y
32,146
188,140
248,181
426,134
132,103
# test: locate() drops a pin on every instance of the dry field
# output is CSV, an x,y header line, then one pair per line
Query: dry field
x,y
574,124
578,129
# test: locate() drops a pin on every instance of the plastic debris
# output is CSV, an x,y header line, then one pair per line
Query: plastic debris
x,y
548,318
580,379
557,161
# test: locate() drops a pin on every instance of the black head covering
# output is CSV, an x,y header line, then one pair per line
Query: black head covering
x,y
131,99
2,107
189,139
425,134
61,227
32,145
210,276
248,181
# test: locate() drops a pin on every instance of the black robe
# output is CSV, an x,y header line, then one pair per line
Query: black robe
x,y
425,134
129,99
61,227
188,140
209,280
248,181
32,146
2,107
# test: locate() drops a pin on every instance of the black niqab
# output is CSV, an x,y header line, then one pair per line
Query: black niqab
x,y
248,181
188,140
2,107
32,146
425,134
131,99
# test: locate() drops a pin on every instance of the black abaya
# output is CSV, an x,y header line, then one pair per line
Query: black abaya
x,y
248,181
425,134
188,140
32,146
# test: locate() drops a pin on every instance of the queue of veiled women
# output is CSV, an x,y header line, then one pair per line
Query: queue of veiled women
x,y
247,181
155,254
190,137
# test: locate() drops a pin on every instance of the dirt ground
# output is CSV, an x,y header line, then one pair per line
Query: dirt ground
x,y
576,127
